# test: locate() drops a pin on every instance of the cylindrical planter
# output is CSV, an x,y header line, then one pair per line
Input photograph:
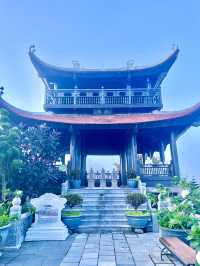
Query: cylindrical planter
x,y
72,222
76,183
3,234
132,183
181,234
138,222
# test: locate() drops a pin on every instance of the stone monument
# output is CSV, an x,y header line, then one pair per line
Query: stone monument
x,y
48,224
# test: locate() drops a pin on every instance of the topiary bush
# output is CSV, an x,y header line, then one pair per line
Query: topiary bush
x,y
4,220
136,199
73,200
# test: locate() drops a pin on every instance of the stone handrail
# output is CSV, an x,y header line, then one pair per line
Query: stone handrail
x,y
103,176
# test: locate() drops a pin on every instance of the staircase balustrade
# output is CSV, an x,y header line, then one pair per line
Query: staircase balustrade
x,y
103,176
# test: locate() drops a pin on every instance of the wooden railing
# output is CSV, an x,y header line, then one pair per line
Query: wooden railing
x,y
67,98
155,170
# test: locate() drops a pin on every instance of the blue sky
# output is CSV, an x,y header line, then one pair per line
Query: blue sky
x,y
104,33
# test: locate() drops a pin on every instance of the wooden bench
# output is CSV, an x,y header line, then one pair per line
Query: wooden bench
x,y
184,253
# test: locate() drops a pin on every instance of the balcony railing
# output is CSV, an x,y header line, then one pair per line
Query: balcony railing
x,y
157,170
135,97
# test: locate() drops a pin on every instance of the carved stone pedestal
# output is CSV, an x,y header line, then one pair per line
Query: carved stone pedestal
x,y
91,183
114,183
48,224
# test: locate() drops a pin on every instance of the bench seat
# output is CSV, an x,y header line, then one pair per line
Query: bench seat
x,y
184,253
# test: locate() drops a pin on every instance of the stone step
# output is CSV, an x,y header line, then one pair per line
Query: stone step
x,y
108,197
96,212
96,191
106,206
104,228
103,220
98,201
106,216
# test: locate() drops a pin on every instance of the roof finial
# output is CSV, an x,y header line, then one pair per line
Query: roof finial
x,y
174,46
32,49
130,64
76,64
1,91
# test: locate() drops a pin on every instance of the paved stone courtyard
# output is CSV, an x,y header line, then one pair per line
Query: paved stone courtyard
x,y
38,253
112,249
115,249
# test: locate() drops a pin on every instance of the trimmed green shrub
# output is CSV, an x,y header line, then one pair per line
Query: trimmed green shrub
x,y
73,200
136,199
4,220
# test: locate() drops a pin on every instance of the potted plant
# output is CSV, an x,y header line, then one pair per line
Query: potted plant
x,y
137,219
153,199
175,223
71,217
194,238
132,180
4,223
75,179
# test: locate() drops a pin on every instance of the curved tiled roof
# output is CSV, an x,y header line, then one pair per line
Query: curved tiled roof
x,y
43,67
192,113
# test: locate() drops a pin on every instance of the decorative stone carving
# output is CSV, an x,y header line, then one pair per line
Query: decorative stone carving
x,y
48,224
91,179
115,177
16,207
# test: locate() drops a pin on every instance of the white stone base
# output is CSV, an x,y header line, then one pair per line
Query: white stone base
x,y
46,231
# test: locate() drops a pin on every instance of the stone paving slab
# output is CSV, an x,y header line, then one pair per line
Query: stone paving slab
x,y
112,249
38,253
115,249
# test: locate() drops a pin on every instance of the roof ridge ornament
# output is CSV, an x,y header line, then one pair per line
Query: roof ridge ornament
x,y
32,49
76,64
174,46
1,91
130,64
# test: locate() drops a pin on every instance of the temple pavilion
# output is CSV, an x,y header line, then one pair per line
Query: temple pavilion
x,y
112,112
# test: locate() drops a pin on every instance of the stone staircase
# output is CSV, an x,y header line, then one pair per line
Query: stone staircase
x,y
103,209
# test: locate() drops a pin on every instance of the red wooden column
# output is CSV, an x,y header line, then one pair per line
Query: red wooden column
x,y
162,152
123,168
133,147
174,155
73,151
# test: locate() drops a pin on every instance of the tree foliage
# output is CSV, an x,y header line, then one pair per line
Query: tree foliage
x,y
28,156
10,152
41,150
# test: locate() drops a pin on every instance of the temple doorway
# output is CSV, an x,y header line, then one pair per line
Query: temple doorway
x,y
107,162
103,170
